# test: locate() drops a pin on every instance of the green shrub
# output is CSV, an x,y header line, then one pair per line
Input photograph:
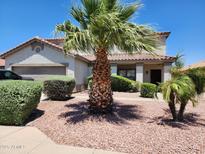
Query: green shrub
x,y
119,83
17,100
135,86
59,87
148,90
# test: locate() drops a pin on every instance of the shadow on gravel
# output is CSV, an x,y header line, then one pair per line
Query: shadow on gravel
x,y
121,113
190,119
34,115
63,100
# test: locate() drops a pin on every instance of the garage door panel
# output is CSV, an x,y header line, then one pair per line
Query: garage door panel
x,y
39,70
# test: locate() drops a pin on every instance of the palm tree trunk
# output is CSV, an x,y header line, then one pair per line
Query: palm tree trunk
x,y
172,106
101,94
181,111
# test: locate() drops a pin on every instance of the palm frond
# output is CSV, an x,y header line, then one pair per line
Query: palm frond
x,y
182,87
125,13
79,15
110,4
105,28
75,38
134,38
179,63
91,7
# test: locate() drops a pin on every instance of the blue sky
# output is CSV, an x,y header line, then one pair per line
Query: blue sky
x,y
23,19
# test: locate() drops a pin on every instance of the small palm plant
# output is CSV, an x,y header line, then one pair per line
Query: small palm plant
x,y
179,90
182,88
105,24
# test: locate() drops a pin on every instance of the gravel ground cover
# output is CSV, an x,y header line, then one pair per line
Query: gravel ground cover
x,y
136,126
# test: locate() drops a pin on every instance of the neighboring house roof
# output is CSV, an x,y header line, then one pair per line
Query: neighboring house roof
x,y
136,57
2,62
196,65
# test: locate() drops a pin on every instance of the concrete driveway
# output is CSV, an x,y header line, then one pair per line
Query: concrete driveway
x,y
30,140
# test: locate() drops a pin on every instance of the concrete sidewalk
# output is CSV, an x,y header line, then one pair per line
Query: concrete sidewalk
x,y
30,140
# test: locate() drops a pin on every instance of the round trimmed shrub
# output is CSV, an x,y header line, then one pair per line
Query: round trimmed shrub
x,y
59,87
148,90
18,99
119,83
135,86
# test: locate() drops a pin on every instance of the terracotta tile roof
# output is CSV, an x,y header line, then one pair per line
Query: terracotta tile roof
x,y
134,57
196,65
2,62
56,41
164,34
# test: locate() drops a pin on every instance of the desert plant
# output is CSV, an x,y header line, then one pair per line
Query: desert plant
x,y
185,86
180,90
119,83
17,100
198,77
148,90
135,86
59,87
178,65
103,25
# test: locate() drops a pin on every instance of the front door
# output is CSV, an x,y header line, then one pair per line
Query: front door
x,y
156,76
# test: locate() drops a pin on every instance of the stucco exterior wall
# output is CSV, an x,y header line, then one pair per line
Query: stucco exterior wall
x,y
167,73
46,56
139,72
81,72
160,51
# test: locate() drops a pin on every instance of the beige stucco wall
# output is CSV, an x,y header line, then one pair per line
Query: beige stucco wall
x,y
47,56
167,73
160,51
81,72
139,72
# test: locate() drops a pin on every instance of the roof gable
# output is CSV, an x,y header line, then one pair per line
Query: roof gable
x,y
29,42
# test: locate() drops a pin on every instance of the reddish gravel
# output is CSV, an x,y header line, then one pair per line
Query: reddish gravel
x,y
137,126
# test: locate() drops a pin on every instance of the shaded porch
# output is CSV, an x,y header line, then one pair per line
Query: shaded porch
x,y
144,72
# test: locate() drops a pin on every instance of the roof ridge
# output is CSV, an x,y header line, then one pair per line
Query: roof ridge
x,y
59,38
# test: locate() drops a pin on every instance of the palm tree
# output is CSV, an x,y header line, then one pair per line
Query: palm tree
x,y
178,65
182,88
103,25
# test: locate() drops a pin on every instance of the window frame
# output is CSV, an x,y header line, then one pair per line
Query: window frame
x,y
126,70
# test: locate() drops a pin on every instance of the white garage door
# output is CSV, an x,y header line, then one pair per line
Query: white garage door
x,y
40,70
